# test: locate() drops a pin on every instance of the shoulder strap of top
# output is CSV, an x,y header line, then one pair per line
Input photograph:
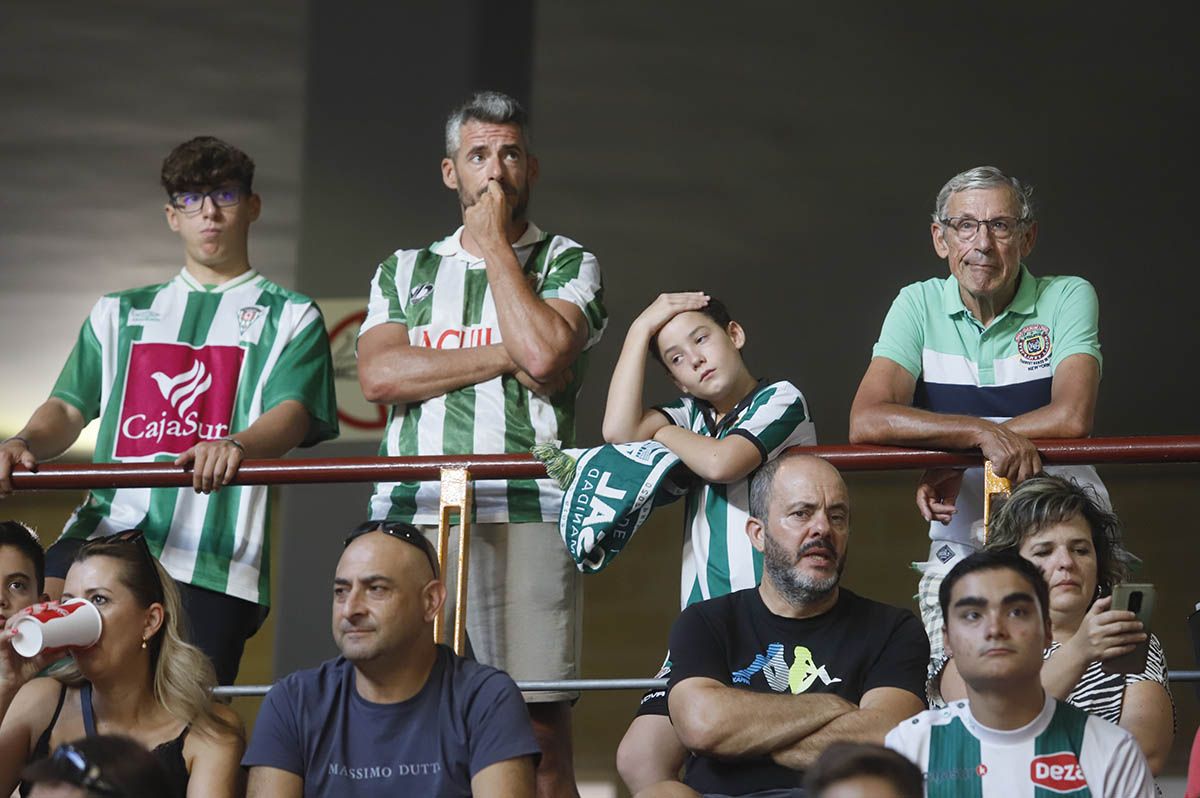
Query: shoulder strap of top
x,y
170,756
42,748
85,704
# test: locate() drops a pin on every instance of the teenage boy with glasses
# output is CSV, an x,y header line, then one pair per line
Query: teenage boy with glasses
x,y
395,714
214,366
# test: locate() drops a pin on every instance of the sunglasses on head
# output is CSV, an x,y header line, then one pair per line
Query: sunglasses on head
x,y
399,530
75,767
137,538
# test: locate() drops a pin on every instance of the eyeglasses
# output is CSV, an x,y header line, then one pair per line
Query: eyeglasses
x,y
136,537
191,203
1001,227
81,772
399,530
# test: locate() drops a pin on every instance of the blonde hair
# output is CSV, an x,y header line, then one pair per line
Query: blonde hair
x,y
183,676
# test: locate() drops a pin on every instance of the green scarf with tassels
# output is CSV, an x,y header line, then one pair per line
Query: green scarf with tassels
x,y
608,492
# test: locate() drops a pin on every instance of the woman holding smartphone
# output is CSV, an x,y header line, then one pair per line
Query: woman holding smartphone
x,y
1061,528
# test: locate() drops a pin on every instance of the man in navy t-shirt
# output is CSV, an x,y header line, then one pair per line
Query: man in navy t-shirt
x,y
395,714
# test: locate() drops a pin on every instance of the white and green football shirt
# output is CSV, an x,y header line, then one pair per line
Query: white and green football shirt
x,y
167,366
442,296
1063,751
717,555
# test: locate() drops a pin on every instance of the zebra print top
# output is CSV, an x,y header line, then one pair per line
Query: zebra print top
x,y
1103,694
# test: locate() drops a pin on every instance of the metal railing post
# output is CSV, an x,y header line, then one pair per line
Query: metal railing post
x,y
455,497
993,485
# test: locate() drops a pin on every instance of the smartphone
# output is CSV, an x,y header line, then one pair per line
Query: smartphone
x,y
1138,599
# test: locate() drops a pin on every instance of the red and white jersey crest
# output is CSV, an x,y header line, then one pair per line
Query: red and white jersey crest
x,y
175,396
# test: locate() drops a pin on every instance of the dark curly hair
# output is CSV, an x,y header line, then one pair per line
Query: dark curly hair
x,y
206,162
1039,502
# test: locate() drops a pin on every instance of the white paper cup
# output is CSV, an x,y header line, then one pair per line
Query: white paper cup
x,y
74,623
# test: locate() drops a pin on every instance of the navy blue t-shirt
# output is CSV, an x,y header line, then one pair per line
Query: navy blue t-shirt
x,y
467,716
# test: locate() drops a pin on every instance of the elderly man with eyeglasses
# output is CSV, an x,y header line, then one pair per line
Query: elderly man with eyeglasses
x,y
395,714
988,359
209,367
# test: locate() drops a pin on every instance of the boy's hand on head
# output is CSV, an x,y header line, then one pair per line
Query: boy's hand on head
x,y
667,307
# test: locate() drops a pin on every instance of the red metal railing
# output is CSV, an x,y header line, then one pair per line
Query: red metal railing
x,y
1123,450
1127,450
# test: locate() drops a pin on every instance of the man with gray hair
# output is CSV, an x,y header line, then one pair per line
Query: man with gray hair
x,y
478,344
987,358
764,679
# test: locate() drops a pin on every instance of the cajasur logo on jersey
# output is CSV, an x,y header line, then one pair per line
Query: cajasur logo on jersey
x,y
1057,772
176,396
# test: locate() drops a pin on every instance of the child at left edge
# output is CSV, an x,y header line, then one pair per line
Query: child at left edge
x,y
726,424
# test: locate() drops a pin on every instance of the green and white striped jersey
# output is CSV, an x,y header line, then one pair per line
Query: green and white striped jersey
x,y
717,555
1063,751
442,296
167,366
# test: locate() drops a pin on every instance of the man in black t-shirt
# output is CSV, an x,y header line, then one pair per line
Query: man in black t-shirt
x,y
762,680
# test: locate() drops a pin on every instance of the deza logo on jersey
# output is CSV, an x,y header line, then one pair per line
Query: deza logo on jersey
x,y
1057,772
176,395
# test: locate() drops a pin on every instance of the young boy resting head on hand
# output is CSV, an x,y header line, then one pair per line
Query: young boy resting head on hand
x,y
726,424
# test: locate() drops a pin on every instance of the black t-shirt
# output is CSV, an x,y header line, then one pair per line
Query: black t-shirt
x,y
855,647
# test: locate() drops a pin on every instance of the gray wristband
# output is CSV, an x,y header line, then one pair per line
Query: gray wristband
x,y
234,441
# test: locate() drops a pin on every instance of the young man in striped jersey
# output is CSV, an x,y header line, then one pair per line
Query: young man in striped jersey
x,y
764,679
1011,739
726,424
478,343
216,365
987,358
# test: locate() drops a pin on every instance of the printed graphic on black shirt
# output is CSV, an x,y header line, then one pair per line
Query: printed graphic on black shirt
x,y
782,677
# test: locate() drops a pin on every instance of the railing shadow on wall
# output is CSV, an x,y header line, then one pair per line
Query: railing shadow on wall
x,y
1134,450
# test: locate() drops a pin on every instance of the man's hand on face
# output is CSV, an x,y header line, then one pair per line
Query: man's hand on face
x,y
488,218
1013,456
937,493
13,451
667,307
214,464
